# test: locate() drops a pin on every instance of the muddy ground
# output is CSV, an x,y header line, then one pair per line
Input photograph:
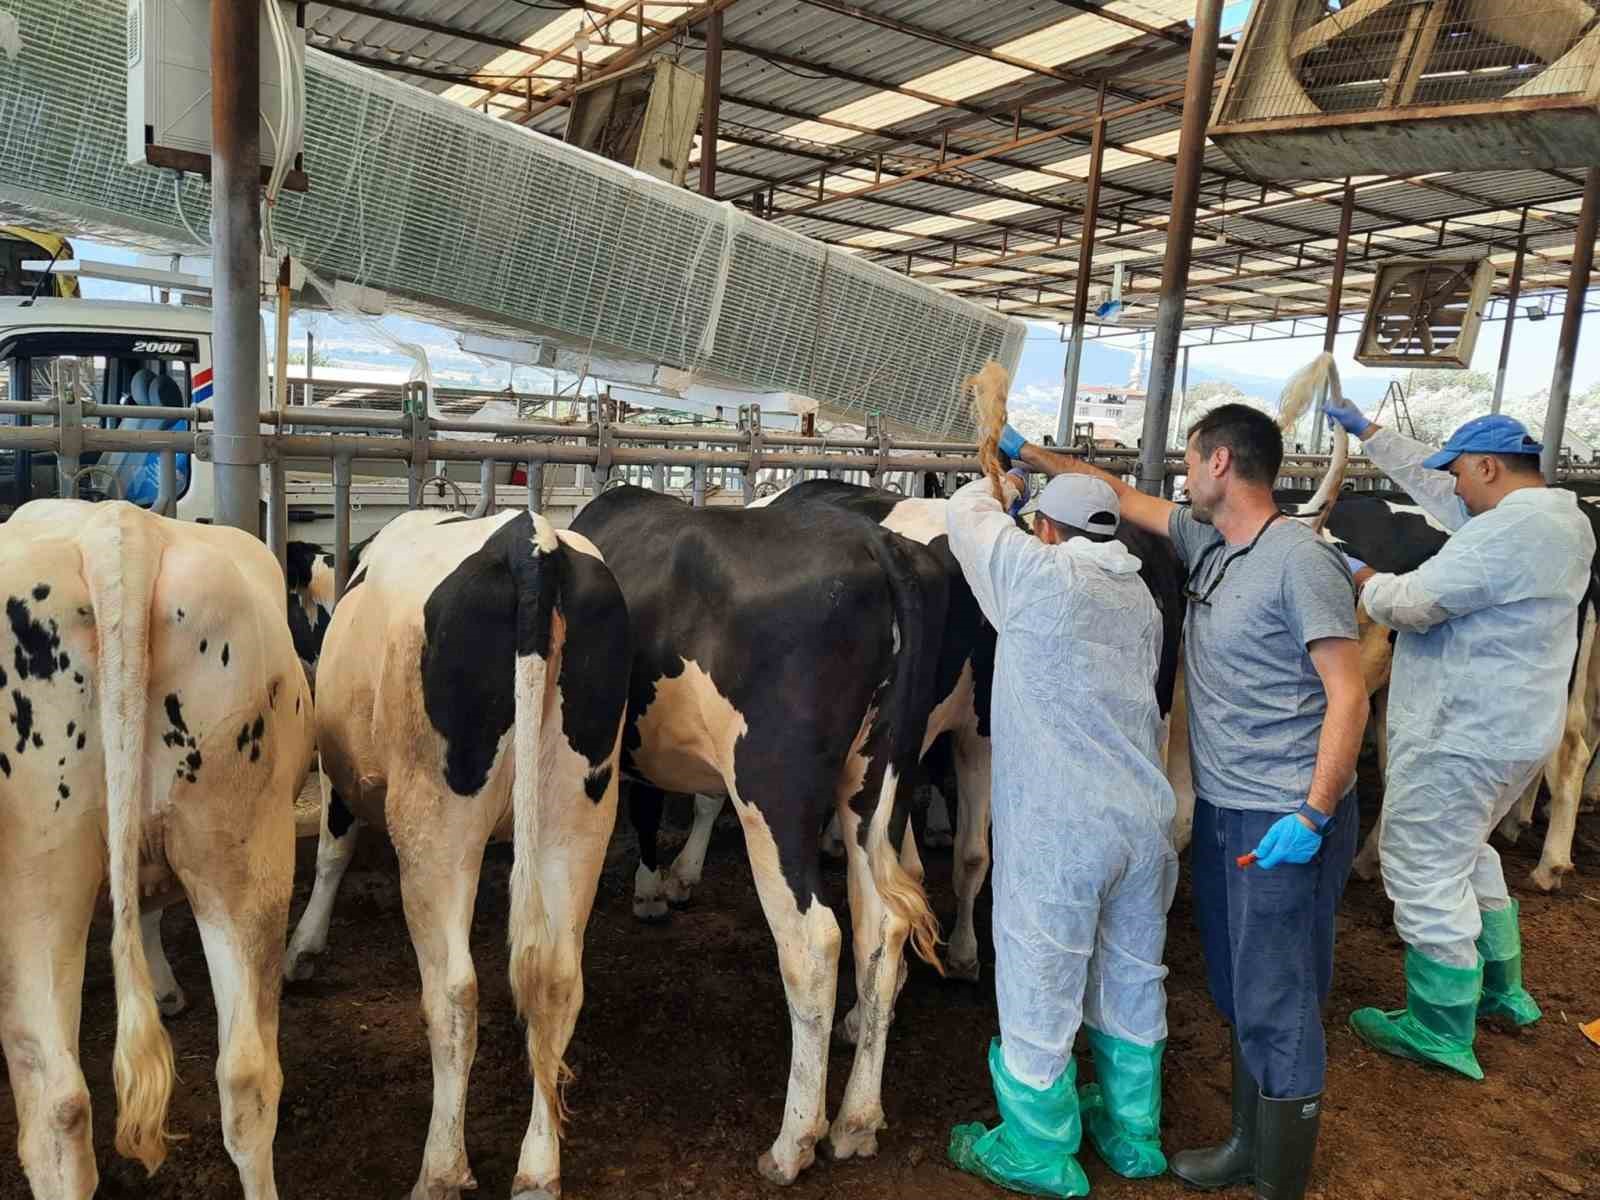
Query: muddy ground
x,y
681,1055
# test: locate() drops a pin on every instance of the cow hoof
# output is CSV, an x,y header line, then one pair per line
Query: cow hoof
x,y
550,1190
173,1004
769,1169
853,1143
297,968
1365,871
444,1191
971,972
1549,878
679,892
651,912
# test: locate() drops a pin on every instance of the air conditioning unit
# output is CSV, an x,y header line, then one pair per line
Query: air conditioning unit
x,y
1425,313
169,84
1317,91
644,117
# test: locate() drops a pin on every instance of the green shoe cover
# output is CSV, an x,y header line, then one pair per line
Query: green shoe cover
x,y
1504,997
1032,1148
1438,1023
1122,1111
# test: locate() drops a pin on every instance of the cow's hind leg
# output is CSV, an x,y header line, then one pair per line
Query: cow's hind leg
x,y
879,938
781,842
971,866
336,845
440,848
574,831
687,868
169,995
644,811
48,899
239,888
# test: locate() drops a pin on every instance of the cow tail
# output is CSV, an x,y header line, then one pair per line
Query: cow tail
x,y
909,704
1308,386
120,564
534,570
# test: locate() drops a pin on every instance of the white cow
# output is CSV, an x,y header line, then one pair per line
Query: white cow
x,y
473,681
159,726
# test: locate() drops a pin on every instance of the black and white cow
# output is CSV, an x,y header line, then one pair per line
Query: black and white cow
x,y
473,682
159,728
961,707
786,660
1392,534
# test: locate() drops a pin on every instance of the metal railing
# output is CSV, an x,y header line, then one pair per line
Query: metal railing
x,y
609,451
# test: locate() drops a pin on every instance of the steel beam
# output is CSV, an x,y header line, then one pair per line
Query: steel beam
x,y
1179,246
1555,420
711,107
236,261
1335,294
1511,318
1068,410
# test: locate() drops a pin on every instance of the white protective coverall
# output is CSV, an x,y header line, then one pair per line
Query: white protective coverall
x,y
1084,868
1487,638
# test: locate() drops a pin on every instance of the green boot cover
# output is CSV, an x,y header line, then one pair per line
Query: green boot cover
x,y
1032,1148
1438,1023
1504,997
1122,1110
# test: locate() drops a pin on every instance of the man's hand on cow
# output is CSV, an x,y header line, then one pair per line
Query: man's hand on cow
x,y
1290,840
1344,412
1011,442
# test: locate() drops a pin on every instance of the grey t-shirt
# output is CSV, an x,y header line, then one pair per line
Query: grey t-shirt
x,y
1256,702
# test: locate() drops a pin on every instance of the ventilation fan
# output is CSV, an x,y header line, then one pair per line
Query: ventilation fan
x,y
644,117
1425,313
1323,88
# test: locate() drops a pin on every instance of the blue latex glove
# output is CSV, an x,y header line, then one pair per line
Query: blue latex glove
x,y
1288,841
1019,476
1012,442
1355,563
1344,412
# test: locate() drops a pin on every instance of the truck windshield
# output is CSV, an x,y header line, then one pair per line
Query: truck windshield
x,y
119,370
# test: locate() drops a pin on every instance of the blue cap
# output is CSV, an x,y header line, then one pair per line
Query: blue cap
x,y
1494,434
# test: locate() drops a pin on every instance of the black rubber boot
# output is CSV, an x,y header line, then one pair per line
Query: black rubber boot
x,y
1286,1144
1233,1162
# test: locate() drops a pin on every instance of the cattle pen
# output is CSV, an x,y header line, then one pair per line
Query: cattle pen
x,y
756,249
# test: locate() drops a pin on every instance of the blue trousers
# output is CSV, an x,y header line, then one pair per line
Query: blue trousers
x,y
1268,940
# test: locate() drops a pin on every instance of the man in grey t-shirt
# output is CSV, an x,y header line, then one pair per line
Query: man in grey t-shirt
x,y
1277,706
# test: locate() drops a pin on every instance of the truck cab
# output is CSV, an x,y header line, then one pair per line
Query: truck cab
x,y
128,355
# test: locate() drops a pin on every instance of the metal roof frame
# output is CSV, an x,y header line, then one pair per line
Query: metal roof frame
x,y
933,139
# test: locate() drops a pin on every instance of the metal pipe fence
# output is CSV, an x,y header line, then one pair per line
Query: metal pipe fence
x,y
694,461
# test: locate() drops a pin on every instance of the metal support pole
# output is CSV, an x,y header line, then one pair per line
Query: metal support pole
x,y
1335,295
1511,320
535,487
278,512
1555,420
1067,413
236,261
486,497
1180,244
1183,388
341,524
711,107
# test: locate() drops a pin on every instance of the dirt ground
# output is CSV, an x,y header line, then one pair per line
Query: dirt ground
x,y
681,1055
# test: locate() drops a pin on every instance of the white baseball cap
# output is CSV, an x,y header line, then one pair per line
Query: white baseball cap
x,y
1081,501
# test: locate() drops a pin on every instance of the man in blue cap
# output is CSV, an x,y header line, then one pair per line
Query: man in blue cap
x,y
1487,635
